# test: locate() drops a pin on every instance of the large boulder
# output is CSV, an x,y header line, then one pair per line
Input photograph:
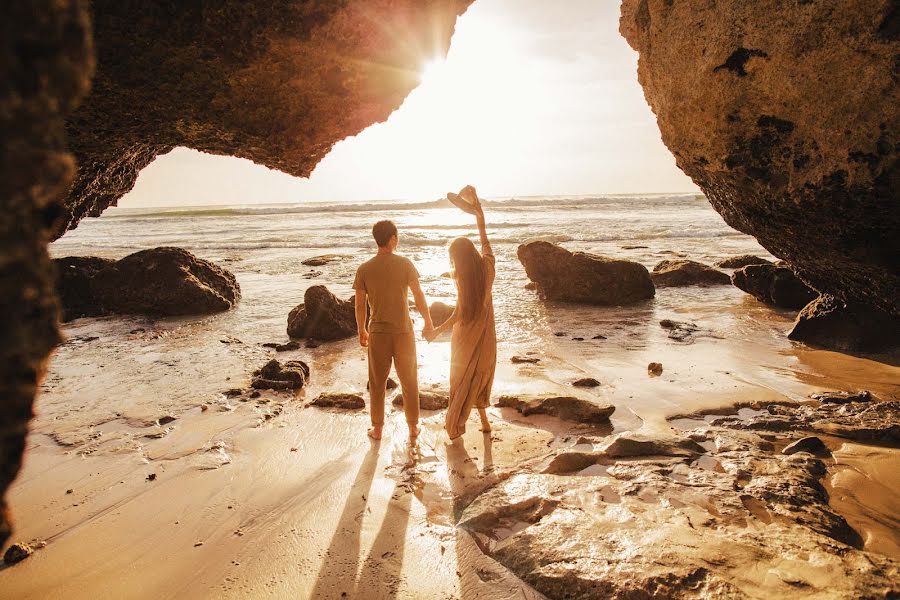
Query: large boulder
x,y
774,284
676,273
786,115
581,277
828,322
568,408
440,312
322,316
160,281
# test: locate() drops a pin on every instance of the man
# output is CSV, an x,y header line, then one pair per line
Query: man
x,y
385,281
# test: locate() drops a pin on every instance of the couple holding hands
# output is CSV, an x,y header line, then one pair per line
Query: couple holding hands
x,y
384,282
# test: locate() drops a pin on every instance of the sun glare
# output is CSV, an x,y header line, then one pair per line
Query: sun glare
x,y
431,69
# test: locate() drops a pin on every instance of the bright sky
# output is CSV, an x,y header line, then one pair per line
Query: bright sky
x,y
531,100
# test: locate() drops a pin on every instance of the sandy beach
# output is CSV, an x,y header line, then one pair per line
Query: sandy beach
x,y
250,497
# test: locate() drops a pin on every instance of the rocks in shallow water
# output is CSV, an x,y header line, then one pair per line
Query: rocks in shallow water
x,y
518,360
17,553
286,347
581,277
829,323
810,444
322,316
341,400
774,284
568,408
160,281
325,259
440,312
586,382
655,369
744,260
291,375
427,400
842,397
676,273
679,330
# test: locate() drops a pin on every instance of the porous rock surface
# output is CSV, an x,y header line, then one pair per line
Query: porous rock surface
x,y
774,284
697,513
322,316
291,375
787,115
677,273
581,277
160,281
428,400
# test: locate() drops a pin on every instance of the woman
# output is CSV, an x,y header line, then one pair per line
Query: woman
x,y
473,346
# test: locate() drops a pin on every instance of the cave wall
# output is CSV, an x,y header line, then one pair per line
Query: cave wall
x,y
45,65
276,82
786,114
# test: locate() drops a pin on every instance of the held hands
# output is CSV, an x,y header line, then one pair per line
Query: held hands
x,y
429,333
364,338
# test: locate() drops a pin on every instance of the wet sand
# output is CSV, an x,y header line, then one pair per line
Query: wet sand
x,y
270,497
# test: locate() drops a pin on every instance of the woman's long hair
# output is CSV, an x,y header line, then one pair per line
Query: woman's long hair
x,y
468,267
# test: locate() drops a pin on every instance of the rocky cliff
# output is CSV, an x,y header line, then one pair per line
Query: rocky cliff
x,y
786,114
278,82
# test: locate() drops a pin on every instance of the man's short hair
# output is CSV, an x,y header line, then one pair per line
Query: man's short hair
x,y
383,231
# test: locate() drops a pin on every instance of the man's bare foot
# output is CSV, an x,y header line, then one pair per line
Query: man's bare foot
x,y
375,432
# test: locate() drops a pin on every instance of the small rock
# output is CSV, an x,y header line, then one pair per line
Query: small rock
x,y
599,337
311,274
842,397
255,394
17,553
232,393
677,273
560,334
204,407
390,385
427,400
292,345
655,369
70,491
524,359
744,260
810,444
320,261
312,344
291,375
166,419
578,339
567,408
151,477
586,382
531,286
198,544
340,400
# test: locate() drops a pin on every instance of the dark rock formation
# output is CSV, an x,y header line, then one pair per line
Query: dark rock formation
x,y
17,553
843,397
744,260
440,312
786,115
635,444
322,316
655,369
567,408
524,360
427,400
339,400
676,273
277,82
161,281
286,347
828,322
774,284
46,57
292,375
586,382
581,277
679,331
325,259
810,444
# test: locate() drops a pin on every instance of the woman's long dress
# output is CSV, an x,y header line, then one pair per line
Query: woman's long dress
x,y
473,360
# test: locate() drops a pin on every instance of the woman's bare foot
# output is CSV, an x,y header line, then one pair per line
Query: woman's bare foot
x,y
375,432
